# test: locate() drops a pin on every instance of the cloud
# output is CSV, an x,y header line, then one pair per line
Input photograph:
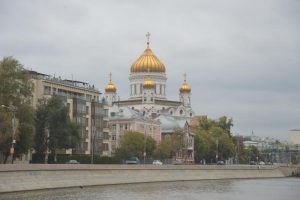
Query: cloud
x,y
241,57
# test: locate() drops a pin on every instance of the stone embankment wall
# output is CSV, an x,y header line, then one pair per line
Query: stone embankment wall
x,y
35,177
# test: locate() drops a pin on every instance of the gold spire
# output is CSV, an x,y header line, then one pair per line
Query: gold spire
x,y
148,83
110,87
185,88
148,61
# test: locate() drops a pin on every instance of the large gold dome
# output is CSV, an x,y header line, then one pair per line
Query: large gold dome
x,y
148,62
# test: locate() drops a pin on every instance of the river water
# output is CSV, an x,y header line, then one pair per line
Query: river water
x,y
254,189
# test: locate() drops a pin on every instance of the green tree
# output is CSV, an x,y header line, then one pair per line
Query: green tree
x,y
213,137
54,129
252,153
133,143
15,90
201,146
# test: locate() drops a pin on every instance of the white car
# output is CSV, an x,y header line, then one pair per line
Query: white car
x,y
157,162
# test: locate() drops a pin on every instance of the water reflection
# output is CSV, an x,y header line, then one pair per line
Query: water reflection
x,y
267,189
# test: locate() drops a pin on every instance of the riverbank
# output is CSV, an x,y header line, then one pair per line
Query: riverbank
x,y
39,176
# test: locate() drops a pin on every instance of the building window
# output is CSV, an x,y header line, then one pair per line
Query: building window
x,y
160,89
87,110
134,90
113,137
86,136
181,112
85,146
191,114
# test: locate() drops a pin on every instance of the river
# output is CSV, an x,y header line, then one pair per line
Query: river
x,y
246,189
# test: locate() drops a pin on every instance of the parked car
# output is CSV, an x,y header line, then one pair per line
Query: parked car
x,y
178,162
261,163
72,162
220,162
132,160
157,162
252,162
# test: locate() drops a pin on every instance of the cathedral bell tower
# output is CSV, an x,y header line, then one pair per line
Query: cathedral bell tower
x,y
185,93
110,92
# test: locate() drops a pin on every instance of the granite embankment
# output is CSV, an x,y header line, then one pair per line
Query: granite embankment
x,y
35,177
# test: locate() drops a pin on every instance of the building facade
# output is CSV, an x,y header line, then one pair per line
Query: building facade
x,y
85,108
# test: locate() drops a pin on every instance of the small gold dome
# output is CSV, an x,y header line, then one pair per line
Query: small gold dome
x,y
148,83
185,88
110,87
148,61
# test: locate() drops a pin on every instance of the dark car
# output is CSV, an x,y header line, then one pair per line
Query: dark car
x,y
252,162
132,160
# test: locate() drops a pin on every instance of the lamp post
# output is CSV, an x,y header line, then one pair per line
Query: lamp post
x,y
13,110
145,141
217,153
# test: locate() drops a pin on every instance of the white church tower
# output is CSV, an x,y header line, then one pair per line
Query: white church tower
x,y
110,92
185,93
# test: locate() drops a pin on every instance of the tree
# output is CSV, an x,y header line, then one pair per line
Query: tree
x,y
15,90
133,143
201,146
213,137
54,129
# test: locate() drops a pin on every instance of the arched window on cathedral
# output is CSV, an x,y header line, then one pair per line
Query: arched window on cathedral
x,y
181,112
191,114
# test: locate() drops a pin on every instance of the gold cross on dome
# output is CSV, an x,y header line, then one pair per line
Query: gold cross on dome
x,y
184,76
110,77
148,39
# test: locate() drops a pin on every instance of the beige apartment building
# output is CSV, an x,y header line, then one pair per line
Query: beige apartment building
x,y
85,107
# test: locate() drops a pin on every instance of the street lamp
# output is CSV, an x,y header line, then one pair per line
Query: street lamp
x,y
144,144
13,110
217,153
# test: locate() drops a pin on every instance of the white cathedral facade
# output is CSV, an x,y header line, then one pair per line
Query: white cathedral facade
x,y
148,110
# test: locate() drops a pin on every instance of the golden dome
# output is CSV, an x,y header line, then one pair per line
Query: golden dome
x,y
148,61
110,87
185,88
148,83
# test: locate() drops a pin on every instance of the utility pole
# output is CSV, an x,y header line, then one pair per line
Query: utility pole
x,y
144,144
217,147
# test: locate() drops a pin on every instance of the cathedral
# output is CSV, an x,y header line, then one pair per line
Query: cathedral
x,y
148,110
148,82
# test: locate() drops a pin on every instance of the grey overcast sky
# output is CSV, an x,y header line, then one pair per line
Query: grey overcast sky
x,y
242,57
